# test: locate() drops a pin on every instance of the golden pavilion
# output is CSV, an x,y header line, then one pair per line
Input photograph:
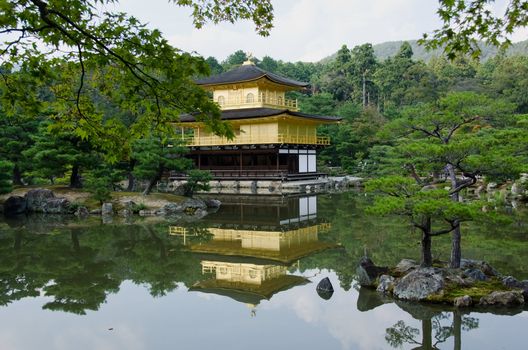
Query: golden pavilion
x,y
273,140
253,246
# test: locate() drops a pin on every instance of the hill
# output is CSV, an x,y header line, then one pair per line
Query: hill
x,y
390,48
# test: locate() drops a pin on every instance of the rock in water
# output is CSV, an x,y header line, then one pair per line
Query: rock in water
x,y
325,288
193,203
213,203
107,209
464,301
419,284
172,208
15,205
57,206
367,272
82,212
509,298
37,199
386,284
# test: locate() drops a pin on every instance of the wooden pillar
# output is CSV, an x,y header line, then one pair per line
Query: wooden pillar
x,y
277,155
199,161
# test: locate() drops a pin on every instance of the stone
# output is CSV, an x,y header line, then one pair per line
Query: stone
x,y
172,208
15,205
367,272
193,203
386,284
464,301
212,203
125,213
483,266
325,289
107,209
405,265
511,282
57,206
419,284
95,212
81,212
508,298
37,199
476,274
199,213
147,212
160,212
325,285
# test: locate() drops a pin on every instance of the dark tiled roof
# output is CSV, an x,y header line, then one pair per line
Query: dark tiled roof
x,y
248,73
247,113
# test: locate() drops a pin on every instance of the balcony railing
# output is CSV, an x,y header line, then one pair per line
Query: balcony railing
x,y
255,140
259,100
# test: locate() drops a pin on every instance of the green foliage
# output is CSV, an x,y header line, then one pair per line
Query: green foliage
x,y
6,169
466,22
100,182
81,64
197,180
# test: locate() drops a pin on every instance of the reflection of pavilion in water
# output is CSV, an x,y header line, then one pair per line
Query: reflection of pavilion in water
x,y
252,246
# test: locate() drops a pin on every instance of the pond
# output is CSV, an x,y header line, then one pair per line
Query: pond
x,y
244,277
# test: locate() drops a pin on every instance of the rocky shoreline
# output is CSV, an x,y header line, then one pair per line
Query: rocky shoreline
x,y
45,201
475,283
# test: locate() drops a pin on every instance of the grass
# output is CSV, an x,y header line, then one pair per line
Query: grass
x,y
476,291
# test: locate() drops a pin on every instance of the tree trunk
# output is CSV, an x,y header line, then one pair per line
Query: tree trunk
x,y
75,178
427,256
456,250
427,335
457,329
17,176
131,178
153,181
130,186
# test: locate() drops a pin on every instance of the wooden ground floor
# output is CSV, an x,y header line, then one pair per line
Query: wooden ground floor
x,y
253,162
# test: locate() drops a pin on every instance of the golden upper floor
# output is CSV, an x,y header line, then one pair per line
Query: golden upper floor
x,y
282,128
248,86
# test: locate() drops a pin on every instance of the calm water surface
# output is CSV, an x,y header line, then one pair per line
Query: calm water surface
x,y
242,278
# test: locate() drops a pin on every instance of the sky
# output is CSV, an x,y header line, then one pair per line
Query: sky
x,y
304,30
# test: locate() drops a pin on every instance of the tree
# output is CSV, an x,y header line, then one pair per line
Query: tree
x,y
430,211
467,22
508,80
15,137
197,180
456,137
156,154
214,66
6,169
235,59
149,75
54,153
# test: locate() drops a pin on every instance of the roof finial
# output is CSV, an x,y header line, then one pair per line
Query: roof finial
x,y
249,61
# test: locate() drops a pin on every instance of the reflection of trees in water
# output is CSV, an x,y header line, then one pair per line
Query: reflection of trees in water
x,y
434,331
78,267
